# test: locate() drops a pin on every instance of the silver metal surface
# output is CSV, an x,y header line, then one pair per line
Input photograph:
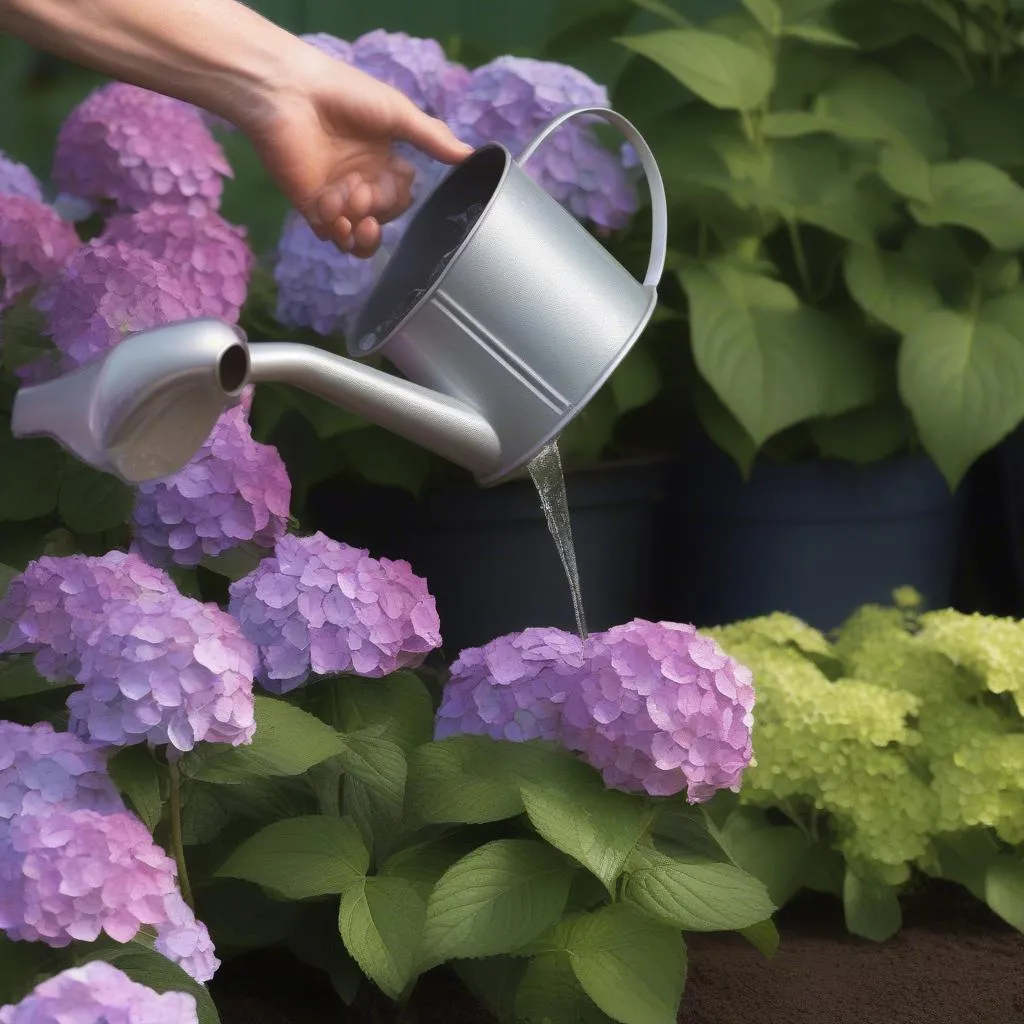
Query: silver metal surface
x,y
502,312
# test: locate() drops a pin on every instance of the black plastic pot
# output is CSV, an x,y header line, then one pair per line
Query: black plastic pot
x,y
814,539
490,561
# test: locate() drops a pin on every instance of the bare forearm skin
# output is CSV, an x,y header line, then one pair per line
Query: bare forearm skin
x,y
217,54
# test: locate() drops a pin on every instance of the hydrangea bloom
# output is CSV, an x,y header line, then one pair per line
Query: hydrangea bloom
x,y
98,993
73,875
512,688
512,98
209,255
186,941
42,770
321,606
132,147
661,708
416,67
234,490
34,244
54,607
17,180
339,49
165,669
109,290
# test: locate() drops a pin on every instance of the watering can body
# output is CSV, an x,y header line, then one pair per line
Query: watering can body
x,y
502,313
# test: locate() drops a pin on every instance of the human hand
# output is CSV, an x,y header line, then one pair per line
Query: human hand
x,y
326,138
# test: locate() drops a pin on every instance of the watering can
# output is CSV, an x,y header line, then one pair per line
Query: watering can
x,y
502,313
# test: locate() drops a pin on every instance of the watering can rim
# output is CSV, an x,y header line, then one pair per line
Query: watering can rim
x,y
659,226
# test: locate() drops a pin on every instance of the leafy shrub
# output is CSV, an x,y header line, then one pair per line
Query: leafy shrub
x,y
895,749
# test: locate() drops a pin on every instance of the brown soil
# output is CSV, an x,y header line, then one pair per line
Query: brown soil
x,y
953,963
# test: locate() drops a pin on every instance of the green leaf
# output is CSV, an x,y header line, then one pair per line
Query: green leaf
x,y
596,826
966,857
375,813
424,863
551,993
242,916
772,362
7,573
139,776
865,435
719,70
22,966
155,971
387,460
962,377
663,10
375,761
975,195
236,562
723,428
889,287
695,893
872,911
381,922
632,967
999,272
775,854
818,35
288,741
19,678
906,172
36,465
636,382
766,13
91,501
496,982
763,936
300,858
495,900
1004,889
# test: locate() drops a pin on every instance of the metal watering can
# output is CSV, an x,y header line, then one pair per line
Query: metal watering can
x,y
503,314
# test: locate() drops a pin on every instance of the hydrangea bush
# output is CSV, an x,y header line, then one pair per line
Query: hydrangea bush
x,y
206,711
894,749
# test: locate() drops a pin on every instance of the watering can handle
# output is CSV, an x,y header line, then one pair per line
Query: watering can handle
x,y
659,206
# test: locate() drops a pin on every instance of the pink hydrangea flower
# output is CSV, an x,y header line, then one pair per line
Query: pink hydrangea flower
x,y
321,606
34,244
235,490
98,993
131,146
207,253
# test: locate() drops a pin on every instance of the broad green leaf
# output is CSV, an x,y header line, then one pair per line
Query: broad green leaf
x,y
495,981
22,965
975,195
140,777
36,465
424,863
631,966
663,10
288,741
723,428
871,910
999,272
386,459
381,922
962,377
91,501
719,70
19,678
236,562
550,991
317,941
694,893
155,971
986,123
818,35
375,813
774,854
865,435
906,172
300,858
771,361
763,936
966,857
596,826
766,13
636,382
1004,889
889,287
792,124
375,761
495,900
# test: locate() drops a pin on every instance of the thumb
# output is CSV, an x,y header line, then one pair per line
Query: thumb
x,y
434,137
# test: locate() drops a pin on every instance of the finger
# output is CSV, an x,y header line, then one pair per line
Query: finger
x,y
434,137
367,237
340,233
331,203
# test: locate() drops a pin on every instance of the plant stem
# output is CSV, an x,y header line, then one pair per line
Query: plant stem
x,y
177,846
800,257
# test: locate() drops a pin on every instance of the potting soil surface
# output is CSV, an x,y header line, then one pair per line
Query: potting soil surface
x,y
953,963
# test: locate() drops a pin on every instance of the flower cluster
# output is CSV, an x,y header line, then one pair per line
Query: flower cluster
x,y
34,244
321,606
656,707
132,147
234,490
17,180
210,257
98,993
416,67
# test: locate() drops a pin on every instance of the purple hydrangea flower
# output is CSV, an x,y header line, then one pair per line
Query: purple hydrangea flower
x,y
42,770
34,244
17,180
416,67
210,255
132,147
165,669
186,941
234,490
661,708
108,291
98,993
321,606
512,688
54,607
71,876
512,98
339,49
